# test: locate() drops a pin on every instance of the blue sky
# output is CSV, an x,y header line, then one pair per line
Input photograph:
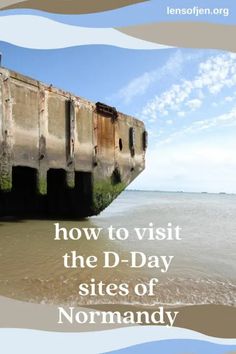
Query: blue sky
x,y
186,97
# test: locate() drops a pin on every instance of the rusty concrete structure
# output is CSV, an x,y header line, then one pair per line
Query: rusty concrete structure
x,y
61,154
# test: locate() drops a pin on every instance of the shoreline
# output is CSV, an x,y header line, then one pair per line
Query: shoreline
x,y
212,320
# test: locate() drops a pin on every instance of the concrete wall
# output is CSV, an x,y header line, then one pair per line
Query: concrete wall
x,y
47,129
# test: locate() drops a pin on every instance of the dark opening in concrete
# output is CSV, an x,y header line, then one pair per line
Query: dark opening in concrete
x,y
56,193
116,176
69,202
132,141
23,199
24,180
60,201
120,144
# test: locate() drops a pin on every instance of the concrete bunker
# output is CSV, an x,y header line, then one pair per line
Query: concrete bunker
x,y
61,154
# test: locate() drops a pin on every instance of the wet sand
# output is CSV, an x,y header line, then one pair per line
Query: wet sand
x,y
203,270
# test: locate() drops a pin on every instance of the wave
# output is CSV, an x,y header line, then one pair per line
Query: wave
x,y
135,14
68,6
176,347
37,32
31,341
170,292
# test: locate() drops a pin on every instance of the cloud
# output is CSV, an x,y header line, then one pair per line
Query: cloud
x,y
229,98
194,166
224,120
194,104
195,157
214,74
139,85
181,114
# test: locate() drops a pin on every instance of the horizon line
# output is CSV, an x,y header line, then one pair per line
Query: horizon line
x,y
166,191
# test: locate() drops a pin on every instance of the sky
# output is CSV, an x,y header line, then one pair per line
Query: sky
x,y
186,98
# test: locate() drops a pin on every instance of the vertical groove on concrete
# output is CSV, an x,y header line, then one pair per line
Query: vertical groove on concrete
x,y
70,175
6,135
42,171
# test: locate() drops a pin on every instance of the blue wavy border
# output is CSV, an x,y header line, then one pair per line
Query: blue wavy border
x,y
141,13
176,346
133,340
